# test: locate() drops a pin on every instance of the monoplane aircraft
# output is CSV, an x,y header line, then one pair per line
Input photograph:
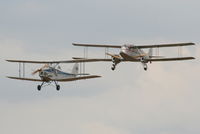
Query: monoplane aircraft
x,y
135,53
51,72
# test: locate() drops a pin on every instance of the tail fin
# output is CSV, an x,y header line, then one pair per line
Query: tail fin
x,y
75,69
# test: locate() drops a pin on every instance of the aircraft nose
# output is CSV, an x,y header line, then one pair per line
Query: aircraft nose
x,y
41,73
124,49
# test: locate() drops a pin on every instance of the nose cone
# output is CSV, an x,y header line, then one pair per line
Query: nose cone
x,y
41,73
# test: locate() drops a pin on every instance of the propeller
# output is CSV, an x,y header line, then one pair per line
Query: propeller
x,y
40,69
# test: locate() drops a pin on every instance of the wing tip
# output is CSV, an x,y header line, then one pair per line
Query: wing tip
x,y
9,60
191,43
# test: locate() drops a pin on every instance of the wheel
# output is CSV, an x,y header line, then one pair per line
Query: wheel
x,y
39,87
113,68
57,87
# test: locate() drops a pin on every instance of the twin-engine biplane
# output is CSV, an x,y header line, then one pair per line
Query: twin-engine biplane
x,y
51,73
134,53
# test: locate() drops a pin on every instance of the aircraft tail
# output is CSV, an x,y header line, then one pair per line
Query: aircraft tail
x,y
75,69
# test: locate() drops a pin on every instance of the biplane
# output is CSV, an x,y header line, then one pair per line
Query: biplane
x,y
135,53
51,73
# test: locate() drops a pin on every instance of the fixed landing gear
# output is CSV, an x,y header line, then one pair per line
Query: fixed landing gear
x,y
113,67
39,87
115,62
57,87
145,66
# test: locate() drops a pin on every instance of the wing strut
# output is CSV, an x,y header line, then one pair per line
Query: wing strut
x,y
179,51
22,69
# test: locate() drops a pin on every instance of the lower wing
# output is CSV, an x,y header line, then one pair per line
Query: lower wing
x,y
172,59
60,80
28,79
78,78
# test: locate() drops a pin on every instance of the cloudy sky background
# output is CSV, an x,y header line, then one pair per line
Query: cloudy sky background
x,y
163,100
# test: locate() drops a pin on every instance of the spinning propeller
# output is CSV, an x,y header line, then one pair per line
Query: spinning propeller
x,y
40,69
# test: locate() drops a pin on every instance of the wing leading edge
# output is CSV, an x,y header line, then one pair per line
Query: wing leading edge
x,y
165,45
79,78
27,79
136,46
96,45
172,59
60,80
57,62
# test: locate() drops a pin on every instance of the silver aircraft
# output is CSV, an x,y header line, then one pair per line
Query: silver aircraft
x,y
51,73
133,53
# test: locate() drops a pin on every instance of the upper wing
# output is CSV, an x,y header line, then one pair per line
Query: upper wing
x,y
164,45
79,78
142,46
172,59
57,62
95,45
28,79
30,61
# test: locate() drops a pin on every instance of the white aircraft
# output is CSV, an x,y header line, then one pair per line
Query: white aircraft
x,y
134,53
52,73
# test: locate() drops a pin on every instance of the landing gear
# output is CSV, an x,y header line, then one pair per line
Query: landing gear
x,y
145,66
57,87
113,67
115,62
39,87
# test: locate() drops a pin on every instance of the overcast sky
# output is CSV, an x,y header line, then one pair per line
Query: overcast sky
x,y
163,100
